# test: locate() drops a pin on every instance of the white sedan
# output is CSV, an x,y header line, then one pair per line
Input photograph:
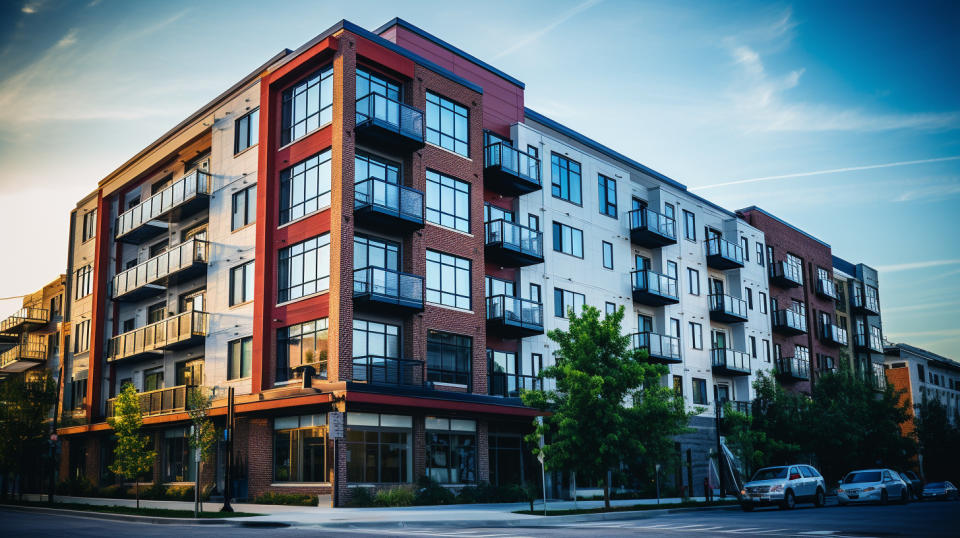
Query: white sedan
x,y
872,485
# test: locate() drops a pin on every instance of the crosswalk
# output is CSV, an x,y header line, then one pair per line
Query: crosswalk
x,y
708,528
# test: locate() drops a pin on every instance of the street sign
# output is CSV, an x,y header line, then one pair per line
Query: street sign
x,y
336,425
540,457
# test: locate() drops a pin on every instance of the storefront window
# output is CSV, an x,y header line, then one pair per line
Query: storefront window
x,y
451,450
300,449
178,464
506,459
379,448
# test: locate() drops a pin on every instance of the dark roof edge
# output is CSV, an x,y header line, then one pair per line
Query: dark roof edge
x,y
781,221
928,355
397,21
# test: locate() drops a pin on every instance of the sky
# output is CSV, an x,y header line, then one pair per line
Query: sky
x,y
842,118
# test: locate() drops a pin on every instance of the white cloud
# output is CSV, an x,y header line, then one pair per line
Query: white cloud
x,y
526,41
920,307
930,192
68,40
915,265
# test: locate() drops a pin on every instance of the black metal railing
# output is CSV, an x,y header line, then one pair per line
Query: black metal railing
x,y
183,190
718,246
657,345
794,367
515,311
514,236
834,333
789,273
404,202
864,302
728,305
26,315
160,401
655,283
158,336
738,406
730,359
827,288
390,114
790,320
512,160
646,218
388,285
510,385
179,257
388,370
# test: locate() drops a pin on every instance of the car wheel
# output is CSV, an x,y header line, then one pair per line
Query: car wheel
x,y
789,501
883,497
820,499
904,497
746,507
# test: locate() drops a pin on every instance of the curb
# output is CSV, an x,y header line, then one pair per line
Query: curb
x,y
153,520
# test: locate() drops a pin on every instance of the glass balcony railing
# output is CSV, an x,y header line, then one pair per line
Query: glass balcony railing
x,y
826,288
869,342
388,370
390,117
651,229
510,385
793,367
722,254
789,321
158,268
513,316
787,275
23,355
25,318
653,288
863,303
659,347
184,190
160,401
390,200
833,334
727,309
729,361
182,329
512,245
509,170
387,286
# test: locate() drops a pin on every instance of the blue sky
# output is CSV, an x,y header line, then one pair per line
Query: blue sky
x,y
842,118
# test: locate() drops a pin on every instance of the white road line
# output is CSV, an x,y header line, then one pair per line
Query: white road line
x,y
768,531
743,530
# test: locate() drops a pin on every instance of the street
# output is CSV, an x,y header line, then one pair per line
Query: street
x,y
915,519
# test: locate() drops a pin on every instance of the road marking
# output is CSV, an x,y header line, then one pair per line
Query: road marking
x,y
744,529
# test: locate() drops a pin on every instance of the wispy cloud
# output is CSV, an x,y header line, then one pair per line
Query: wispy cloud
x,y
915,265
930,192
32,7
824,172
920,307
914,334
535,36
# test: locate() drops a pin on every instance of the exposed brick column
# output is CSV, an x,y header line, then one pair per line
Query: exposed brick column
x,y
259,437
93,459
419,447
483,451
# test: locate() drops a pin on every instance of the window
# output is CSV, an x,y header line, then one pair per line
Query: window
x,y
535,294
156,312
307,105
448,124
305,187
749,298
533,221
448,280
246,131
81,337
379,448
89,225
745,243
448,201
607,189
753,347
565,178
241,283
699,391
675,327
766,350
696,335
304,343
78,393
610,308
693,279
607,255
239,358
244,208
375,252
449,358
492,213
368,83
304,268
496,286
300,449
763,302
153,379
84,280
178,461
678,385
920,373
567,240
689,226
564,300
372,339
451,450
759,256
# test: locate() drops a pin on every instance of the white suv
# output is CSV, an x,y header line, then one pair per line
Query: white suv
x,y
783,486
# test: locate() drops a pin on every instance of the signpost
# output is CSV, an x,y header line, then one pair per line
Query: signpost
x,y
228,437
335,430
543,472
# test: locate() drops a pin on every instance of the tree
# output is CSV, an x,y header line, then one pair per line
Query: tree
x,y
132,455
203,435
25,404
608,408
939,440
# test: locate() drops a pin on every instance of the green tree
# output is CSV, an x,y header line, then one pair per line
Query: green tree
x,y
25,404
939,440
203,436
132,454
778,424
608,408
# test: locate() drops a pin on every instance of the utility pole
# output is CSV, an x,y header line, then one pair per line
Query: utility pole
x,y
719,409
228,437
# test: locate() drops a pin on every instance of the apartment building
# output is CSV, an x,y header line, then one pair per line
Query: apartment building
x,y
806,337
924,376
858,311
31,337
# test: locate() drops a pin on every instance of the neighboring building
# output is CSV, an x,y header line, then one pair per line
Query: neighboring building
x,y
31,337
806,337
858,310
924,376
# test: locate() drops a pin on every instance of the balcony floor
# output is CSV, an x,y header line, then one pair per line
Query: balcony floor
x,y
508,183
787,330
727,371
20,365
381,217
376,302
649,298
726,317
508,329
380,134
506,256
647,238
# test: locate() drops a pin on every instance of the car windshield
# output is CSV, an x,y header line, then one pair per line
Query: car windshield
x,y
771,473
862,476
936,485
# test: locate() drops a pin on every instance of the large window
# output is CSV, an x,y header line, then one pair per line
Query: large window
x,y
84,281
300,344
239,358
564,300
246,131
379,448
448,201
375,252
81,336
699,391
244,208
448,280
448,124
607,188
178,461
451,450
307,105
565,178
89,225
241,283
374,339
304,268
567,240
368,83
689,226
300,449
305,187
366,166
449,358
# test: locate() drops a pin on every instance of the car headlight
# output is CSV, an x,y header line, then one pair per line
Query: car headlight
x,y
839,490
868,489
778,487
743,492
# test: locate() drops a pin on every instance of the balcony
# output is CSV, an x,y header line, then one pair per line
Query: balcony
x,y
866,342
388,124
793,369
660,348
729,362
183,262
509,244
183,198
511,385
159,402
789,322
869,306
741,407
23,356
513,317
509,171
833,335
653,289
379,288
722,254
177,332
786,275
388,371
26,319
651,229
827,289
387,205
727,309
879,380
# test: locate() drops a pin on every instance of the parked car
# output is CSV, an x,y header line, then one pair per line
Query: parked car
x,y
914,483
872,485
940,490
783,486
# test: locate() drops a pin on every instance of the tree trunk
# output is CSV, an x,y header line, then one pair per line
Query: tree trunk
x,y
606,492
136,489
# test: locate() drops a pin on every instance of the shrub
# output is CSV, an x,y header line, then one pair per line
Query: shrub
x,y
398,496
77,487
156,492
115,491
430,492
292,499
179,493
485,492
360,498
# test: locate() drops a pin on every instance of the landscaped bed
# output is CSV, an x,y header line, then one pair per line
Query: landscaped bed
x,y
125,510
627,508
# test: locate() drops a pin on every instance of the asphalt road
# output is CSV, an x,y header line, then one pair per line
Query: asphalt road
x,y
915,519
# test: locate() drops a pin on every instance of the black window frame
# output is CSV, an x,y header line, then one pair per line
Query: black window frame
x,y
607,249
560,163
436,104
248,279
244,200
689,226
297,176
324,112
89,229
459,187
246,131
285,261
284,340
558,233
604,204
239,346
443,343
444,259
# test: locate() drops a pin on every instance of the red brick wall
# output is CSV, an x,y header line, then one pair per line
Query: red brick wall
x,y
900,379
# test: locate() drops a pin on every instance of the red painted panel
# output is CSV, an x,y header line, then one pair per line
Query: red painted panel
x,y
378,54
101,260
446,405
294,68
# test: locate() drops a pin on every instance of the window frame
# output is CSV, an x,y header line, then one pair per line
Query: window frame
x,y
558,233
556,183
607,249
442,260
246,361
689,226
246,271
320,246
435,189
249,212
693,281
322,79
560,302
436,104
298,175
449,342
607,186
251,119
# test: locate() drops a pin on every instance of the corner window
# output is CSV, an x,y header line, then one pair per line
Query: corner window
x,y
305,187
565,179
449,358
448,280
448,201
307,105
244,208
607,189
239,358
304,268
246,131
448,124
